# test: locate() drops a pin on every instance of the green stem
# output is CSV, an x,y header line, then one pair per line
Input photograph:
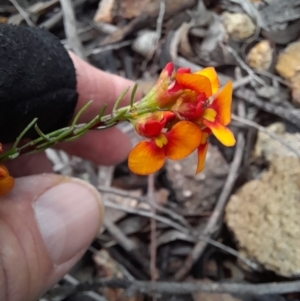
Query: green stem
x,y
74,131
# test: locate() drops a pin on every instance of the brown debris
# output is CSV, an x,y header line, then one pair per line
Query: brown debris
x,y
264,217
270,148
238,26
288,66
260,57
198,191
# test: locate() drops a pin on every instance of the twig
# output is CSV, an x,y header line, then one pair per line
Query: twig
x,y
250,97
22,12
105,176
267,132
218,210
160,19
159,25
119,236
183,288
193,236
93,295
153,242
108,47
243,65
71,28
148,214
175,216
185,27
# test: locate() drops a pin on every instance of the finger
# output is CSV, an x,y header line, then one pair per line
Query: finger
x,y
107,147
29,165
46,224
99,86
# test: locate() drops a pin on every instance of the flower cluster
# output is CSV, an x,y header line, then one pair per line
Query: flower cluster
x,y
176,118
6,181
190,108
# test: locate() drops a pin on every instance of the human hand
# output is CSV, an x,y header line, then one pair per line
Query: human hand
x,y
48,221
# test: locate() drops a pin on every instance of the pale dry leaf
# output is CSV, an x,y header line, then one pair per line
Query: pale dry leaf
x,y
288,66
264,215
104,12
260,57
238,26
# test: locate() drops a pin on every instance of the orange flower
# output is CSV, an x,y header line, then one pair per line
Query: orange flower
x,y
197,107
149,156
216,114
6,181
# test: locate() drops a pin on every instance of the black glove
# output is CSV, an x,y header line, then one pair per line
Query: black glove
x,y
37,79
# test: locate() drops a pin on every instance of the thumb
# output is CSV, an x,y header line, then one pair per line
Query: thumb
x,y
46,224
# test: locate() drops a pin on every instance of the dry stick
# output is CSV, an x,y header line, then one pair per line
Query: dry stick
x,y
159,25
267,132
126,194
178,227
243,65
70,28
22,12
109,47
153,243
218,210
290,115
183,288
93,295
105,178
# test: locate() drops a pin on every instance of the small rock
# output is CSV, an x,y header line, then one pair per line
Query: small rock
x,y
264,218
260,57
145,42
238,26
269,148
288,66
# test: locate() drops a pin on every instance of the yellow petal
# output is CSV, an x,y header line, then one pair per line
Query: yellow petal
x,y
211,74
146,158
183,139
209,114
222,133
222,104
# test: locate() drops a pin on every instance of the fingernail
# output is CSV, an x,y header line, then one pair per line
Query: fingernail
x,y
68,216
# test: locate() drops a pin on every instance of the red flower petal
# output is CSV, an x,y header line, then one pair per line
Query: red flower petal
x,y
183,70
146,158
183,139
169,68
